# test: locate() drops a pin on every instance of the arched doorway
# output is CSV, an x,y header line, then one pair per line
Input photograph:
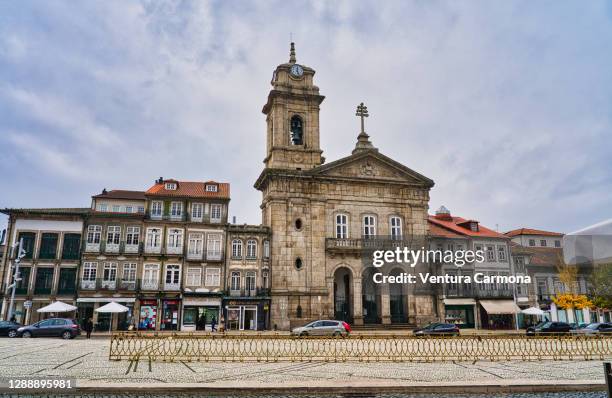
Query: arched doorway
x,y
397,300
371,297
343,280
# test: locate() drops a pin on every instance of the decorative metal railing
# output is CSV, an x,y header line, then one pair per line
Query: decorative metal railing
x,y
134,346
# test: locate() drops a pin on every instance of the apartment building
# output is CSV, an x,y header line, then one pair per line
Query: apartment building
x,y
246,305
479,305
51,239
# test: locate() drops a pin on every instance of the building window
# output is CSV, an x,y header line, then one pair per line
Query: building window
x,y
71,246
501,253
94,232
213,247
251,249
28,240
194,276
543,242
154,237
150,277
369,226
213,277
176,210
396,227
237,248
211,188
48,246
557,243
156,209
531,242
116,208
132,236
264,280
129,209
490,254
103,207
215,212
113,235
250,281
129,272
298,224
109,272
196,211
519,264
44,281
175,238
141,209
171,186
341,226
297,130
298,263
173,274
266,249
90,271
196,241
235,281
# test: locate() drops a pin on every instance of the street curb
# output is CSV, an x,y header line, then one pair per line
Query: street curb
x,y
339,387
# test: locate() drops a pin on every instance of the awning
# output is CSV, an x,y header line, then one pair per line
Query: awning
x,y
500,307
459,301
106,299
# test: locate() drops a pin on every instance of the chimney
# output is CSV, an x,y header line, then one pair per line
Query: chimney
x,y
160,181
233,219
104,191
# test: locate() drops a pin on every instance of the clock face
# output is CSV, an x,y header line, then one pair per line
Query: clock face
x,y
297,70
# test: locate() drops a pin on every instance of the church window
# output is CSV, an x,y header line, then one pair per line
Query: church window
x,y
369,226
297,130
396,227
237,248
298,263
341,226
298,224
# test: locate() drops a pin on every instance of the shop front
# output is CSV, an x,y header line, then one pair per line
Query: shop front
x,y
147,318
246,314
498,314
460,312
86,309
200,313
170,314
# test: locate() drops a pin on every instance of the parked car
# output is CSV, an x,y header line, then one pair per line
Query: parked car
x,y
323,328
594,329
576,326
52,327
437,329
8,328
549,328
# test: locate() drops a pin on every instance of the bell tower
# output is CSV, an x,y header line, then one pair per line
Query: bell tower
x,y
292,116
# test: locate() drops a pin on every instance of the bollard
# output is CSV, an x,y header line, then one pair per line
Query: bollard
x,y
608,376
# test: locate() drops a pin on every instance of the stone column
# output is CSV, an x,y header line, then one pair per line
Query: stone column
x,y
385,304
357,302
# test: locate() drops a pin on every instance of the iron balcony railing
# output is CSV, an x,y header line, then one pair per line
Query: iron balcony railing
x,y
249,292
477,292
109,284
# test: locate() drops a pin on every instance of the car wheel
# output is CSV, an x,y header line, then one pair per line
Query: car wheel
x,y
66,335
26,335
304,334
12,333
336,333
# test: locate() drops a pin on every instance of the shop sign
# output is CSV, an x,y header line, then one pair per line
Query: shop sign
x,y
27,304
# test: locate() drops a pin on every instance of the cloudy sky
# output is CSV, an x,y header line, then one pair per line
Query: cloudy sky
x,y
507,106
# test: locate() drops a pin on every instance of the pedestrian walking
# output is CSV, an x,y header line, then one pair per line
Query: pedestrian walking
x,y
213,324
89,327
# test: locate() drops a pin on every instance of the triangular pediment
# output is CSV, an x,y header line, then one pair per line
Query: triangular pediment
x,y
371,165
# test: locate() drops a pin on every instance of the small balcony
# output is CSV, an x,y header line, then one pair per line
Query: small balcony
x,y
172,287
131,249
66,290
88,284
111,247
21,290
194,256
213,255
215,220
153,249
476,292
108,284
174,250
249,293
129,285
149,284
92,247
42,290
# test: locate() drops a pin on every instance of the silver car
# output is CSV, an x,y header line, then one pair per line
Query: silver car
x,y
323,328
594,329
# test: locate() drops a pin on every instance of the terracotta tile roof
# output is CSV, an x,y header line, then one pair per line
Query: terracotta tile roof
x,y
190,189
451,223
121,194
529,231
439,232
543,256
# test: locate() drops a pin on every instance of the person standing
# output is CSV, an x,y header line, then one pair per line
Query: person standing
x,y
213,324
89,327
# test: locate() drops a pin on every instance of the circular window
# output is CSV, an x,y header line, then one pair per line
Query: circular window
x,y
298,263
298,224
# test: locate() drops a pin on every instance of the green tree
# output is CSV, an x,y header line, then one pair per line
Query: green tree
x,y
601,281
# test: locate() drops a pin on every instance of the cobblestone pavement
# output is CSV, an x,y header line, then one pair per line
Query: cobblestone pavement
x,y
88,360
513,395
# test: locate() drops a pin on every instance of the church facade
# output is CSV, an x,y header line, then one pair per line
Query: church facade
x,y
322,216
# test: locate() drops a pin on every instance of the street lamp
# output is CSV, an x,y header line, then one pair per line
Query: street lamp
x,y
16,276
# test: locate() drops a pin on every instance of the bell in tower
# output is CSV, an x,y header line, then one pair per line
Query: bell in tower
x,y
292,116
